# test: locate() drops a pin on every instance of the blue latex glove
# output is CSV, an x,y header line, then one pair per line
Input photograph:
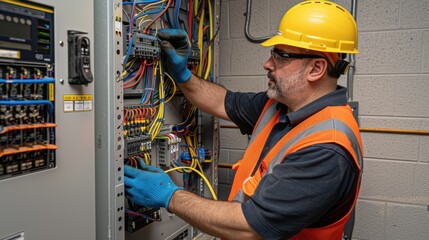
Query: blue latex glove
x,y
150,187
176,48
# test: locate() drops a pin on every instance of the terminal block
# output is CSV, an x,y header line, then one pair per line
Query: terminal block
x,y
141,217
137,145
145,46
194,56
168,149
27,127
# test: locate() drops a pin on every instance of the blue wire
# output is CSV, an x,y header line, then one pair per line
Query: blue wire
x,y
27,81
31,102
176,14
167,18
150,12
141,2
145,86
129,50
131,38
131,75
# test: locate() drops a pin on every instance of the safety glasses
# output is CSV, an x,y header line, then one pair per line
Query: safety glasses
x,y
280,57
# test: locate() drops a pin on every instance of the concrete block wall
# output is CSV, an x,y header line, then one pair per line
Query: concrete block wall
x,y
391,85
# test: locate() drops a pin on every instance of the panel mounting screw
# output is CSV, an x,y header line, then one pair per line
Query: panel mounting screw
x,y
62,81
61,43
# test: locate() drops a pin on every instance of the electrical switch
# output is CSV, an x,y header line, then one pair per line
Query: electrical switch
x,y
79,58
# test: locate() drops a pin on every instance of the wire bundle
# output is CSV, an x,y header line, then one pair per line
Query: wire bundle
x,y
157,87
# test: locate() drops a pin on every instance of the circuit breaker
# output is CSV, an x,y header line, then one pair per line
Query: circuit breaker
x,y
46,125
142,116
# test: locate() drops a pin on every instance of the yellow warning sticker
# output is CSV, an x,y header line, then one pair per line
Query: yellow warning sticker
x,y
77,103
73,97
51,92
10,54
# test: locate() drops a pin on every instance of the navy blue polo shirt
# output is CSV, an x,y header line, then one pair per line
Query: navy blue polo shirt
x,y
313,187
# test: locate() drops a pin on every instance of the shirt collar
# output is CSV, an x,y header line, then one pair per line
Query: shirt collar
x,y
335,98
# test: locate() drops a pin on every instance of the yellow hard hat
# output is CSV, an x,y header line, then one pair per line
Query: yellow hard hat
x,y
317,25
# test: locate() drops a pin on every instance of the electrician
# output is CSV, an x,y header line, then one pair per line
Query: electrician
x,y
299,177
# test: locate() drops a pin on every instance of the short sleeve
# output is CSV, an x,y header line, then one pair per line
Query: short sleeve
x,y
244,109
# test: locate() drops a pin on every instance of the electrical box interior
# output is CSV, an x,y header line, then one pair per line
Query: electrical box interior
x,y
83,92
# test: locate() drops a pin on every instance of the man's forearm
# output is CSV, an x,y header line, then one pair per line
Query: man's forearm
x,y
218,218
207,96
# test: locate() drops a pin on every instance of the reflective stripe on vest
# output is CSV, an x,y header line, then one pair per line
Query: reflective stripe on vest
x,y
326,125
330,125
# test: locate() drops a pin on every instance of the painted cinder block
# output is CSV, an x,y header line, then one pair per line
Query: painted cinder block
x,y
377,15
235,155
370,220
244,84
345,4
223,155
421,183
390,52
387,180
224,21
425,55
247,58
231,138
277,9
391,146
225,58
236,18
394,122
375,94
411,97
393,95
407,222
258,25
414,14
424,149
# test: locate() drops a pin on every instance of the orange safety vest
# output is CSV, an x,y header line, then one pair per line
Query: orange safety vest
x,y
334,124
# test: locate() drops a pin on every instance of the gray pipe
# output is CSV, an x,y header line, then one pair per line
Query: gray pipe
x,y
349,226
352,60
247,26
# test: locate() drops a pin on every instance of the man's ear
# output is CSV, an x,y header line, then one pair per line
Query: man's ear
x,y
318,67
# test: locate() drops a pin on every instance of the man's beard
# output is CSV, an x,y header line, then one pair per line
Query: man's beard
x,y
286,87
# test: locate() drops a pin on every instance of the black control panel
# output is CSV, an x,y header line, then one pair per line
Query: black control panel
x,y
26,32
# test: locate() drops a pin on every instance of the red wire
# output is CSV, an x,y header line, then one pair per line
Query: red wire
x,y
163,11
190,14
139,75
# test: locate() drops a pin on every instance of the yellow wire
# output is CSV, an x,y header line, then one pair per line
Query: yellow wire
x,y
200,43
157,123
147,158
142,22
201,175
174,87
195,8
209,62
148,7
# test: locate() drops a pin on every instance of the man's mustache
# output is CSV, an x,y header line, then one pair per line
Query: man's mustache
x,y
270,76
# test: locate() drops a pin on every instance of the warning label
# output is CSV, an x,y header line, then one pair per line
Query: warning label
x,y
77,103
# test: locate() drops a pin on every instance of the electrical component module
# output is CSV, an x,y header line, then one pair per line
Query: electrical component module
x,y
159,124
27,119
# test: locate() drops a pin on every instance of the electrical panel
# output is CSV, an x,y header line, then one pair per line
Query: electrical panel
x,y
47,166
27,119
148,119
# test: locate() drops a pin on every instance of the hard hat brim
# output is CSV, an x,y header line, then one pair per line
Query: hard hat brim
x,y
275,40
280,40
